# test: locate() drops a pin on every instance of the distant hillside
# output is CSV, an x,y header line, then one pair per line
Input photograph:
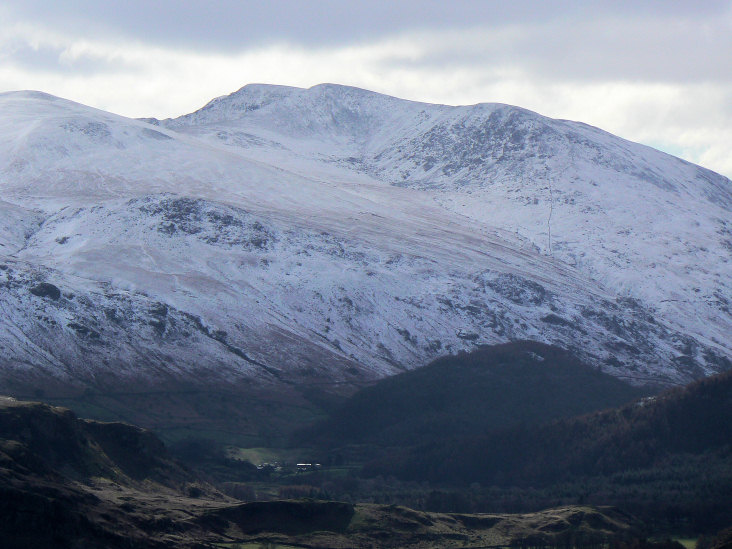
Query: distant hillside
x,y
472,394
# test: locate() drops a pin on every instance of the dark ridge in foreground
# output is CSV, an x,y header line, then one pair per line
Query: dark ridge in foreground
x,y
52,439
70,482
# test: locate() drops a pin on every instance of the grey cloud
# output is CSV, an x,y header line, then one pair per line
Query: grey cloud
x,y
657,50
20,53
664,50
48,58
650,41
236,24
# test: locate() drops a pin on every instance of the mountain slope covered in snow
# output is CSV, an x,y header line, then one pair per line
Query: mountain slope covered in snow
x,y
334,235
644,223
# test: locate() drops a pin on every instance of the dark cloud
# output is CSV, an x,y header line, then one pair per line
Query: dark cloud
x,y
236,24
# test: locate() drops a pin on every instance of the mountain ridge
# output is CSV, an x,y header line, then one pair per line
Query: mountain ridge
x,y
573,209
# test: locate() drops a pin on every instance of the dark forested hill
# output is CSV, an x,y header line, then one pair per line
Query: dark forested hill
x,y
472,394
689,420
666,456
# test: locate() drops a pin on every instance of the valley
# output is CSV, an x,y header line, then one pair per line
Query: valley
x,y
664,472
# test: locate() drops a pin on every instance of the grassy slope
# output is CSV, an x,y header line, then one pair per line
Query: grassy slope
x,y
69,482
340,525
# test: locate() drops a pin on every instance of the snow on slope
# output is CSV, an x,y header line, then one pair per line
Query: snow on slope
x,y
256,239
643,223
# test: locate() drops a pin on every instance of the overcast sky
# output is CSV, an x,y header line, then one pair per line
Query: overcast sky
x,y
657,72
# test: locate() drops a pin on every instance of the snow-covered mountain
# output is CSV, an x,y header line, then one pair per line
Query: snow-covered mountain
x,y
334,235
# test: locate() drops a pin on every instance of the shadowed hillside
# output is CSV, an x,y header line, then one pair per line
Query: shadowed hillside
x,y
668,456
69,482
471,394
